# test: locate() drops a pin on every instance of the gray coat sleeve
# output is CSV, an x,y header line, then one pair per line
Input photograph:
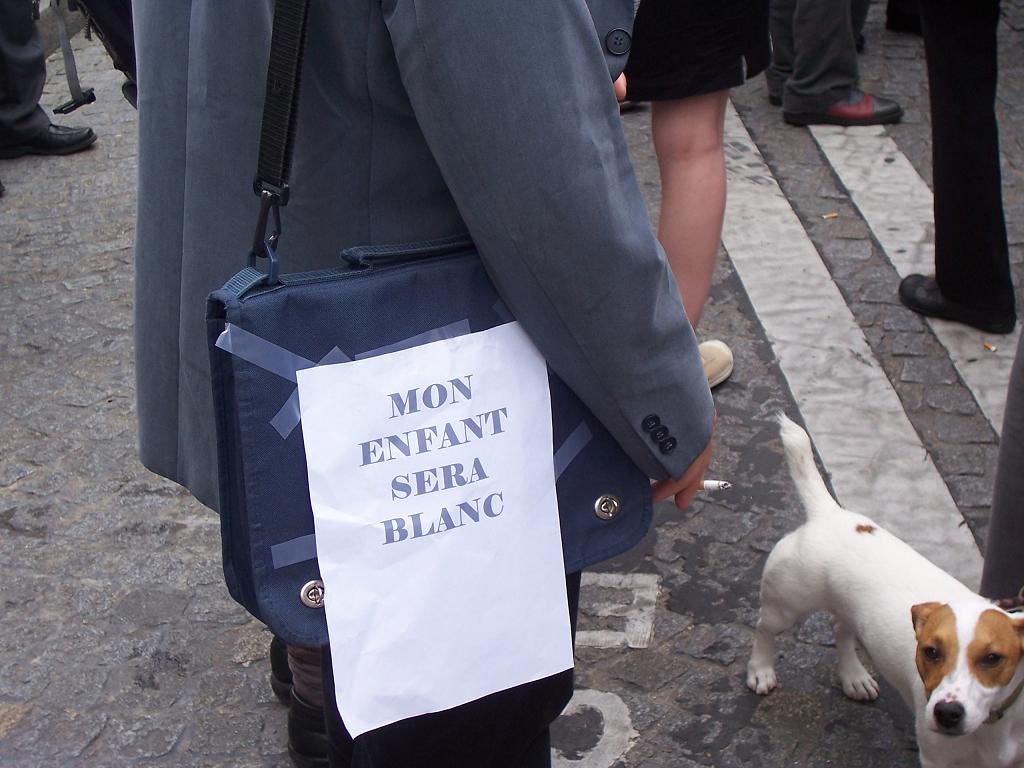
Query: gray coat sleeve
x,y
516,104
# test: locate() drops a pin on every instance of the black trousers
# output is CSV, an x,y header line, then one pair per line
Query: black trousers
x,y
971,257
504,730
22,73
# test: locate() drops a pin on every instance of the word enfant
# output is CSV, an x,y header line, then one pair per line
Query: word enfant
x,y
415,442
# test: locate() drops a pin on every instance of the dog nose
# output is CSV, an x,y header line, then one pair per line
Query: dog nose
x,y
949,714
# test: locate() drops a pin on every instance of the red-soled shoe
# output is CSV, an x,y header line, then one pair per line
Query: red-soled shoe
x,y
857,108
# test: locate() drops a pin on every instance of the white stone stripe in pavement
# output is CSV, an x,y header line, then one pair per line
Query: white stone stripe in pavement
x,y
897,205
876,460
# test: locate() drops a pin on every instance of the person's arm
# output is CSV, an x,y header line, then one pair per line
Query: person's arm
x,y
516,104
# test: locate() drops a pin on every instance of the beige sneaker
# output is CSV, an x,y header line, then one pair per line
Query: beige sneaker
x,y
717,359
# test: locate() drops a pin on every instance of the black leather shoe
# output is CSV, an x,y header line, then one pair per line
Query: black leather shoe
x,y
307,735
280,672
55,140
921,294
856,108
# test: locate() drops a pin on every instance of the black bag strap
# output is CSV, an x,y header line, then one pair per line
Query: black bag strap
x,y
277,131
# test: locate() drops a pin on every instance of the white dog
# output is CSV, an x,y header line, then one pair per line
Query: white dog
x,y
955,658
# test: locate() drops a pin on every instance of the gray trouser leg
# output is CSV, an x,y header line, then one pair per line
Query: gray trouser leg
x,y
859,15
825,64
783,53
1004,566
22,74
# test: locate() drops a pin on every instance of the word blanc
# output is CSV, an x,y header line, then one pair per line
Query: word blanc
x,y
396,529
437,437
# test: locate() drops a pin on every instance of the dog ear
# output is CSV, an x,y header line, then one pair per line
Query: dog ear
x,y
919,614
1018,624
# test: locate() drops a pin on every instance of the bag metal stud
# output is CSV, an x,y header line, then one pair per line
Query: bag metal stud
x,y
312,594
607,506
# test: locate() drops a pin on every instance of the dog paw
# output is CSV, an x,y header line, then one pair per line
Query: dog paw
x,y
860,687
762,681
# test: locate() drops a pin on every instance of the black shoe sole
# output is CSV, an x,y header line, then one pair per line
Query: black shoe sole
x,y
998,327
20,150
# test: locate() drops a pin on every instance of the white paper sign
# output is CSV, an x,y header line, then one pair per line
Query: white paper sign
x,y
437,533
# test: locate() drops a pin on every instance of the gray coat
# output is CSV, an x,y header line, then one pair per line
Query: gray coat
x,y
418,119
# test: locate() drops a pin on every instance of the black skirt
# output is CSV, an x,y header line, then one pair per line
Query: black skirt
x,y
690,47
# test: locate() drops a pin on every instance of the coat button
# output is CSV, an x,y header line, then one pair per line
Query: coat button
x,y
667,445
312,594
650,422
659,433
618,42
606,507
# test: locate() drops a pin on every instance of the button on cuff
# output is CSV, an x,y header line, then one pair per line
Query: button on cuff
x,y
618,42
650,422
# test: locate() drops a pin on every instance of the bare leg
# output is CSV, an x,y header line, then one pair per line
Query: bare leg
x,y
687,137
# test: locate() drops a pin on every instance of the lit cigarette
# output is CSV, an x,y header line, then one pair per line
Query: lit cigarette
x,y
716,485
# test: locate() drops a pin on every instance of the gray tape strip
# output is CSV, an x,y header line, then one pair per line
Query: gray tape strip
x,y
571,448
258,351
450,331
293,551
288,418
278,360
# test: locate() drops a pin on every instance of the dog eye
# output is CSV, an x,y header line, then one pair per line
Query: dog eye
x,y
991,660
931,653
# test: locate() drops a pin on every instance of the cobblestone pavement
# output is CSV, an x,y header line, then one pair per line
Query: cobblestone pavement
x,y
121,647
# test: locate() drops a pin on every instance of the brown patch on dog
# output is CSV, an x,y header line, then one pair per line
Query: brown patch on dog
x,y
937,646
865,528
995,650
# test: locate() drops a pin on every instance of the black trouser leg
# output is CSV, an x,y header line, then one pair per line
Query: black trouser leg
x,y
971,257
22,73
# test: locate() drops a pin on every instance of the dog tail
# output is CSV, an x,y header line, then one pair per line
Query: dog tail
x,y
809,484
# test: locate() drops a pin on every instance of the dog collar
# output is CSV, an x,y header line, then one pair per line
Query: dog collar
x,y
997,714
